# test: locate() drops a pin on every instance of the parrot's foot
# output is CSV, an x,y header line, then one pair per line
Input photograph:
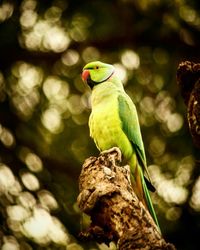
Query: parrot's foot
x,y
128,173
113,150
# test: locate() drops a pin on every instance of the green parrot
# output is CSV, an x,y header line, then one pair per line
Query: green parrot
x,y
114,123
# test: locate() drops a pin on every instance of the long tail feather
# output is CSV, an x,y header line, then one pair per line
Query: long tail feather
x,y
148,199
140,187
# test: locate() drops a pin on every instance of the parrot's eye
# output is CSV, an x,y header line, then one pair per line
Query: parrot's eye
x,y
96,67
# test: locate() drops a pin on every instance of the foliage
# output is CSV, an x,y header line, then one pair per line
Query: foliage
x,y
44,110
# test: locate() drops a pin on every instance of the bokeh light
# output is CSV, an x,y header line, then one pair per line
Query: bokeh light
x,y
33,162
55,89
6,11
130,60
26,199
47,200
121,72
7,178
51,119
70,57
17,213
91,54
44,228
168,188
195,199
6,137
10,243
30,181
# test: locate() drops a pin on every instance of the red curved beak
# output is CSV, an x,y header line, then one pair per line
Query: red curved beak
x,y
85,75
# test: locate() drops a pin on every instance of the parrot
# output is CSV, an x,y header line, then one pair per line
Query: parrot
x,y
113,122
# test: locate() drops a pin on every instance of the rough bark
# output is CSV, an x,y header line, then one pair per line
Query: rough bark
x,y
116,213
188,78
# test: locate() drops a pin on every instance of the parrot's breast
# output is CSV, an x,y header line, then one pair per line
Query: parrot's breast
x,y
105,125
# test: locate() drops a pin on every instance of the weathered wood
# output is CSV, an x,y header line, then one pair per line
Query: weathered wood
x,y
116,213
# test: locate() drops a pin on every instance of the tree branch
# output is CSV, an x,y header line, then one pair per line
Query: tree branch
x,y
188,78
116,213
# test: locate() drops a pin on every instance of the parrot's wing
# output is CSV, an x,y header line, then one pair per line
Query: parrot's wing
x,y
131,127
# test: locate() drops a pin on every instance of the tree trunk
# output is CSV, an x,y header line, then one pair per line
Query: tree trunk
x,y
116,213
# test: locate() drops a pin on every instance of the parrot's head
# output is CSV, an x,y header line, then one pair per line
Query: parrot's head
x,y
97,72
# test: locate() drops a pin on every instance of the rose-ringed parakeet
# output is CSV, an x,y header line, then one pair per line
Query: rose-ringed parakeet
x,y
114,123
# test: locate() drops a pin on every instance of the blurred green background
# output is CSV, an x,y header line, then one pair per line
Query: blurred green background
x,y
44,110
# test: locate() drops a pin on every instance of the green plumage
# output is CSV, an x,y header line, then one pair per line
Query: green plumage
x,y
114,123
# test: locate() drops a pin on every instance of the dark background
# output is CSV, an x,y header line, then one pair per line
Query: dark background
x,y
44,110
